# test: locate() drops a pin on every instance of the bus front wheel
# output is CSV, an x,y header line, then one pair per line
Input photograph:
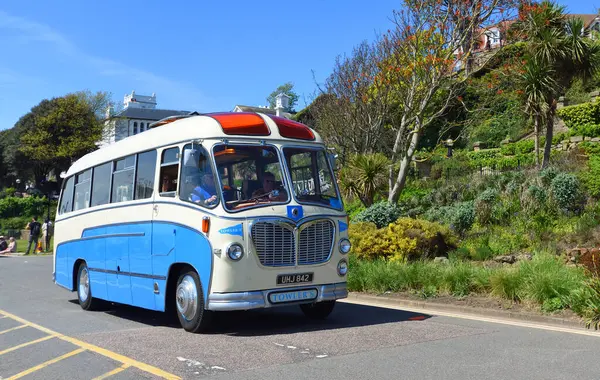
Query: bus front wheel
x,y
319,310
189,303
84,290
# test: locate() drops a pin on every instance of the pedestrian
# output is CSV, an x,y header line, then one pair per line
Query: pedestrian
x,y
35,228
3,243
47,230
12,247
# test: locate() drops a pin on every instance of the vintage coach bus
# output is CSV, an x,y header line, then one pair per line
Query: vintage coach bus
x,y
205,213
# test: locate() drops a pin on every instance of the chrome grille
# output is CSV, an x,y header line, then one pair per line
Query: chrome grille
x,y
315,242
274,243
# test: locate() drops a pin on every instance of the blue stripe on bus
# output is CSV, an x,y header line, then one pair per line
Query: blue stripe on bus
x,y
127,259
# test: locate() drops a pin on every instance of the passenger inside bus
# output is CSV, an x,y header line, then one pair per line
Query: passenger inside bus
x,y
270,189
205,192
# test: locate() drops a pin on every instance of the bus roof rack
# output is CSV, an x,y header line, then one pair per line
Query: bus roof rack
x,y
171,119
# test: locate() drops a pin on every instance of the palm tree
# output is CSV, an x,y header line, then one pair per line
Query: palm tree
x,y
559,52
365,177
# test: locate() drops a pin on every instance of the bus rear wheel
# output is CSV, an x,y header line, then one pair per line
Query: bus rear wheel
x,y
189,303
319,310
84,290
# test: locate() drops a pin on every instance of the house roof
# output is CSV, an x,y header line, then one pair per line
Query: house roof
x,y
149,113
587,18
268,111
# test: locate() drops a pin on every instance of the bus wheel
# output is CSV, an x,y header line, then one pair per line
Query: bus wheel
x,y
319,310
84,290
189,303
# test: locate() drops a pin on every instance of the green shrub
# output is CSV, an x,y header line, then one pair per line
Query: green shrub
x,y
525,146
591,178
7,192
15,223
31,206
548,174
405,239
579,115
588,130
484,204
585,301
381,214
353,208
553,304
463,217
566,192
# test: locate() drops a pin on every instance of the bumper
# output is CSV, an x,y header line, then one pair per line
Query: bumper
x,y
260,299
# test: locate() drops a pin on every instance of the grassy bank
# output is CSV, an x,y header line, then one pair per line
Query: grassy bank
x,y
544,281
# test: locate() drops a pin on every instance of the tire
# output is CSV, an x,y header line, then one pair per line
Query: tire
x,y
319,310
84,290
189,303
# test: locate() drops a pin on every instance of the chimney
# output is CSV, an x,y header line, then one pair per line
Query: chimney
x,y
282,102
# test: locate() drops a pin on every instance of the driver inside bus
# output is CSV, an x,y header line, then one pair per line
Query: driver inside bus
x,y
205,192
268,187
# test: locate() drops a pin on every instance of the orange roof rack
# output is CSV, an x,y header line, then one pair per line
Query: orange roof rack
x,y
241,123
292,129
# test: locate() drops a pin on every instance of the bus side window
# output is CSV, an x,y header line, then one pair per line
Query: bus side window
x,y
66,199
169,169
144,181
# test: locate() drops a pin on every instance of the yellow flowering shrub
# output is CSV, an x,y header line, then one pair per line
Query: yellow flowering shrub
x,y
405,239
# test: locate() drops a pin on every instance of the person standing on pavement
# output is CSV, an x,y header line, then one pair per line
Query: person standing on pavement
x,y
35,228
47,229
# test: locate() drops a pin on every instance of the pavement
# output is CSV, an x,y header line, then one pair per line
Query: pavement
x,y
45,334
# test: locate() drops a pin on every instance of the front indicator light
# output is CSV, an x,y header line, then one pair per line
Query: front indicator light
x,y
345,246
342,267
235,251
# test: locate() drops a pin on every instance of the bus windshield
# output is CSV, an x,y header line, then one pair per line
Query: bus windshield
x,y
250,176
311,177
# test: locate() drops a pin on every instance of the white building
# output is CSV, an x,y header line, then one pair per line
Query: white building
x,y
281,103
139,111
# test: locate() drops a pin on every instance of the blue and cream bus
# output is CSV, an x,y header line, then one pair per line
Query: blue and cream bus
x,y
205,213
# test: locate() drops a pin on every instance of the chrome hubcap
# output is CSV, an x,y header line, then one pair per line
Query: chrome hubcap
x,y
84,285
187,298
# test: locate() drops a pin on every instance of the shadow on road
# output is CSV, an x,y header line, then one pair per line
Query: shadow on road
x,y
275,321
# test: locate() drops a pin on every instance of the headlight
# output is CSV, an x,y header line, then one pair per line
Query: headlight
x,y
342,268
345,246
235,251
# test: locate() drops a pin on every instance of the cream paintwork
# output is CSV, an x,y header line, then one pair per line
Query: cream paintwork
x,y
227,276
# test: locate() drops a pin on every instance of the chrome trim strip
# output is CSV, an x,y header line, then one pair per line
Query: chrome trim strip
x,y
260,298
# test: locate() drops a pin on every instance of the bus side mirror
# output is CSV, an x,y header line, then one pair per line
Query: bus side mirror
x,y
332,160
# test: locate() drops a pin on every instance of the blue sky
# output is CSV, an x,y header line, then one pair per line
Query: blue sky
x,y
195,55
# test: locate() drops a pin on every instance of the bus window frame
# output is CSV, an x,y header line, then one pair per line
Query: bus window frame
x,y
289,173
257,143
168,194
212,163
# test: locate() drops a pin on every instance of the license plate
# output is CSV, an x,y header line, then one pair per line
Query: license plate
x,y
299,278
293,296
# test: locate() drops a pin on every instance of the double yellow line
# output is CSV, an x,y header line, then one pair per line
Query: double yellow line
x,y
83,346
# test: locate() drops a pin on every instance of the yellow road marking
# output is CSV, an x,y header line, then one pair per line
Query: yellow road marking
x,y
113,372
26,344
90,347
472,317
46,364
13,329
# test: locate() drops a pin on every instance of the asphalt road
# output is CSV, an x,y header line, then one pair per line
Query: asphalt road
x,y
44,334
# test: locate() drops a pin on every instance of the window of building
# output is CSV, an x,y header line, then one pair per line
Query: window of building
x,y
135,130
144,181
141,127
169,169
197,179
101,184
66,199
83,182
122,181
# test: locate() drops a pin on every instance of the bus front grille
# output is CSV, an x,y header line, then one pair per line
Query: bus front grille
x,y
274,243
315,242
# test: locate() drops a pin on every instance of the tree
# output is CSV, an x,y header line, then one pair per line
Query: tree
x,y
288,89
351,111
559,52
61,130
421,58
